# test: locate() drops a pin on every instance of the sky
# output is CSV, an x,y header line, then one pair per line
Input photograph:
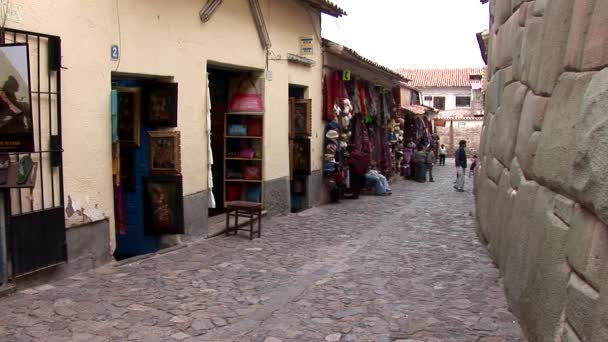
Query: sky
x,y
411,33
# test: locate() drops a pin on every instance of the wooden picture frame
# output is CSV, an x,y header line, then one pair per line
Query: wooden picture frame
x,y
161,105
164,205
301,117
300,157
129,115
16,124
164,152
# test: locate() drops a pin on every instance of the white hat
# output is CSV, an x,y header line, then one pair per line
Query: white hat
x,y
332,134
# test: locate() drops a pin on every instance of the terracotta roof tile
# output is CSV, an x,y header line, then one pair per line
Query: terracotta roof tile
x,y
326,7
424,78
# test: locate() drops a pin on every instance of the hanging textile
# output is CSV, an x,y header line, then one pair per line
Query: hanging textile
x,y
212,203
328,99
119,209
356,98
362,98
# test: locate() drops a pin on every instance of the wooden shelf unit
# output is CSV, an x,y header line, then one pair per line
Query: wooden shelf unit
x,y
245,184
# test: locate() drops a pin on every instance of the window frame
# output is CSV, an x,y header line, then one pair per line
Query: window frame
x,y
439,97
463,97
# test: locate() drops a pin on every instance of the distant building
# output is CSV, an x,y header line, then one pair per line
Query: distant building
x,y
458,97
453,92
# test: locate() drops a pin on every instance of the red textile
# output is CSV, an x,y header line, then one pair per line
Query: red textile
x,y
362,97
327,107
358,162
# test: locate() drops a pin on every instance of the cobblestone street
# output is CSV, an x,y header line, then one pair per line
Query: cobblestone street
x,y
406,267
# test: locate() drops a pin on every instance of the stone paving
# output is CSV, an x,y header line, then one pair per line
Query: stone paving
x,y
406,267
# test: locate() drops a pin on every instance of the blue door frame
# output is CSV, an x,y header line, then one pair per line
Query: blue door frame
x,y
135,242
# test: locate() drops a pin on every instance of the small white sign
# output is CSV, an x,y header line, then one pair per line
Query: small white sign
x,y
115,52
306,45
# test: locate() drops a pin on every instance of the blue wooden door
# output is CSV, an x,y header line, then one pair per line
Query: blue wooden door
x,y
135,242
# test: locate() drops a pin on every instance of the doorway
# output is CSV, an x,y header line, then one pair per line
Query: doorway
x,y
242,150
298,180
134,175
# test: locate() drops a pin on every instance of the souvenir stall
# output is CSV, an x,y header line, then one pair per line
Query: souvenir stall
x,y
415,128
359,105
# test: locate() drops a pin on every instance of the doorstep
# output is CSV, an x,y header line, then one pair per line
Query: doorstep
x,y
217,224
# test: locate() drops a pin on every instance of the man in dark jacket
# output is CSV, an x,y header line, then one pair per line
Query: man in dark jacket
x,y
461,165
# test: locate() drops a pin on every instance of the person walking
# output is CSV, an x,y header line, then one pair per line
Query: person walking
x,y
443,153
430,162
461,165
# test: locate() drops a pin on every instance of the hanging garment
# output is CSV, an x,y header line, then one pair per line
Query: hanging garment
x,y
362,98
356,99
212,203
119,211
327,106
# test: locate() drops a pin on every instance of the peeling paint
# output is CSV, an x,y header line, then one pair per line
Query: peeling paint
x,y
75,214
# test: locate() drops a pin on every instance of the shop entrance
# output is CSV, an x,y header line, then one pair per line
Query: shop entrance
x,y
236,138
299,152
148,196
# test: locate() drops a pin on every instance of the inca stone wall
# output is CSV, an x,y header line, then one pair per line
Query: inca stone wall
x,y
542,191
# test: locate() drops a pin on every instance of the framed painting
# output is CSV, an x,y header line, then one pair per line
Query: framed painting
x,y
161,105
164,205
129,115
301,117
300,157
16,124
164,152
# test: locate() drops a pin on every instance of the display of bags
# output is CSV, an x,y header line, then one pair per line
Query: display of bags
x,y
254,127
237,130
233,192
252,173
247,153
246,100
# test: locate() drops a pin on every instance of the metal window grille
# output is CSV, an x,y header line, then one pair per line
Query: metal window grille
x,y
36,224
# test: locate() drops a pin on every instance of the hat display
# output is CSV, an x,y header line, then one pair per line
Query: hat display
x,y
332,134
330,158
331,148
333,125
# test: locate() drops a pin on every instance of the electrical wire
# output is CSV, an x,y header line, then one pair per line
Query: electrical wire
x,y
119,37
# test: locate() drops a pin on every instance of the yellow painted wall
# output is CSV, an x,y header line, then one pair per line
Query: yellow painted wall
x,y
167,38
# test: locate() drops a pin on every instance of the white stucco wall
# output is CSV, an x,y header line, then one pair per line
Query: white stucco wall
x,y
167,38
450,94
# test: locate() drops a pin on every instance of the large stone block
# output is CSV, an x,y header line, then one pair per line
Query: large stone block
x,y
504,136
545,296
590,131
502,12
486,192
600,317
581,305
557,148
485,138
587,248
521,230
529,60
576,36
499,236
556,24
595,55
494,169
538,8
523,13
564,209
533,111
508,42
517,175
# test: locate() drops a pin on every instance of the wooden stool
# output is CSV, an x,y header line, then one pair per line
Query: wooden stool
x,y
237,209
